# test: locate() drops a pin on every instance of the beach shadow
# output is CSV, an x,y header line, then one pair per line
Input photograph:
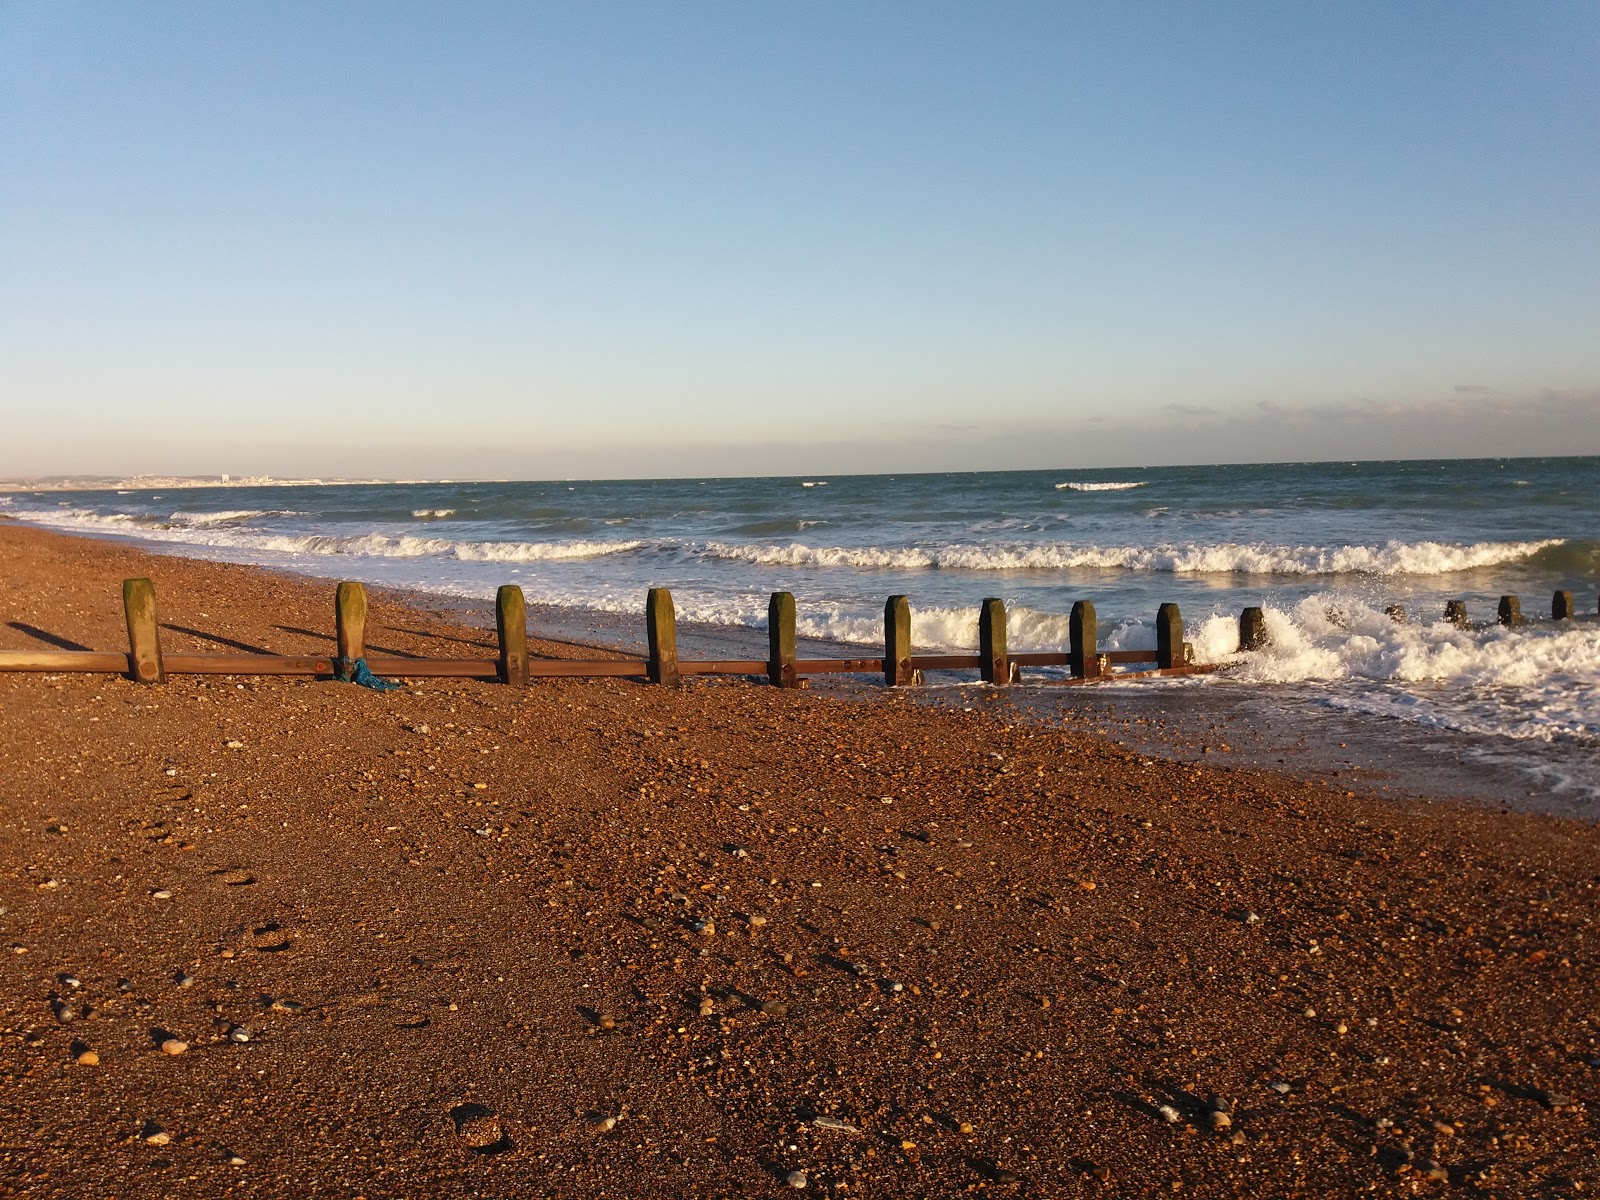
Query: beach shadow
x,y
445,637
50,639
328,637
215,637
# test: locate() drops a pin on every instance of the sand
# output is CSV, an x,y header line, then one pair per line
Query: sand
x,y
603,939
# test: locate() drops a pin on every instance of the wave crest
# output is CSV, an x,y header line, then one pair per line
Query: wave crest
x,y
1392,558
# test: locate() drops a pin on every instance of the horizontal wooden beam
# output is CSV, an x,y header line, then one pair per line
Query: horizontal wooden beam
x,y
64,660
434,668
246,664
566,668
836,666
727,666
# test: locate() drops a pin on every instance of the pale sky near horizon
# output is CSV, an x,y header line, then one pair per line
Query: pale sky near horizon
x,y
514,240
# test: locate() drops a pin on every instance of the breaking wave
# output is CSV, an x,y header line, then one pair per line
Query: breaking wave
x,y
1100,487
1392,558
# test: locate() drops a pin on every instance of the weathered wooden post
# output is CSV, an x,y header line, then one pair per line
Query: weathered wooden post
x,y
994,664
897,641
511,623
1455,612
661,628
1169,637
144,637
350,626
1252,629
1083,656
780,640
1396,613
1561,607
1510,610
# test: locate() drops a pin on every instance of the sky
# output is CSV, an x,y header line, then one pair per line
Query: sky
x,y
510,240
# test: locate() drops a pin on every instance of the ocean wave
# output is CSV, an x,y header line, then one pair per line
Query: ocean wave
x,y
238,516
1534,682
369,545
1101,487
1392,558
432,514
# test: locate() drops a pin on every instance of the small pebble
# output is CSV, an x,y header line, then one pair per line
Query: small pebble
x,y
775,1008
607,1021
1341,1029
157,1137
1311,1012
174,1047
757,922
1171,1115
796,1179
965,1127
1281,1088
238,1033
1221,1120
88,1058
161,894
834,1124
602,1124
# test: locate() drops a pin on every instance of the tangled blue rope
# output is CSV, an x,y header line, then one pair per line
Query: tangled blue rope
x,y
356,671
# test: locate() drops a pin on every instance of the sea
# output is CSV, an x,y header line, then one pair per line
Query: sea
x,y
1325,548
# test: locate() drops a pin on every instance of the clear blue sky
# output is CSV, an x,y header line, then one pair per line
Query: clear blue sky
x,y
522,240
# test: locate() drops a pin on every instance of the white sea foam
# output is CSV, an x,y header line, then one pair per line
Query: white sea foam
x,y
1539,681
370,545
1101,487
1392,558
432,514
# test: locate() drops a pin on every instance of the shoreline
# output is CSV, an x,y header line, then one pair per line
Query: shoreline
x,y
1274,727
597,939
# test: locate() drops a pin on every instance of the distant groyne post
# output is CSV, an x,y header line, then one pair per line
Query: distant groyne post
x,y
511,624
780,640
1083,656
661,630
144,636
1561,607
897,641
1396,613
1455,612
1169,638
1252,629
349,626
1510,611
994,667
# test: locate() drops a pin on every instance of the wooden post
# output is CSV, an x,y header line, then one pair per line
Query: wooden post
x,y
1396,613
661,628
994,666
897,641
780,640
1252,629
1510,611
1169,637
144,638
1561,607
511,622
1084,653
1455,612
350,626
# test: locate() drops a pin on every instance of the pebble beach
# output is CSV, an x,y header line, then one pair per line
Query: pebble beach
x,y
283,937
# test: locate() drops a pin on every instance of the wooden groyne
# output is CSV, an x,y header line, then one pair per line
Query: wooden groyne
x,y
145,662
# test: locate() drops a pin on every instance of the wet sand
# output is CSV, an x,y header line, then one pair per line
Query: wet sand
x,y
602,939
